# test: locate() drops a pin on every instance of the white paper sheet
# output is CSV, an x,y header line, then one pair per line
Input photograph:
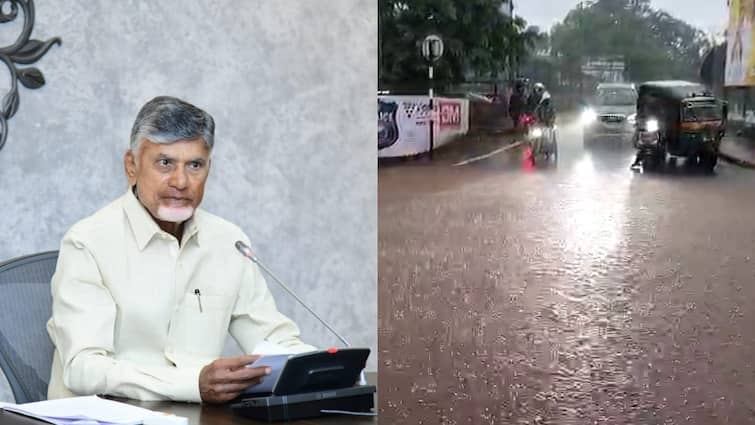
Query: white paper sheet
x,y
90,410
275,363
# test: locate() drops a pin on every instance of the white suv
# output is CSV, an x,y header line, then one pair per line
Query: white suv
x,y
611,115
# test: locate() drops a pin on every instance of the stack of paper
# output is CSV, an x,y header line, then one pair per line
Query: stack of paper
x,y
91,410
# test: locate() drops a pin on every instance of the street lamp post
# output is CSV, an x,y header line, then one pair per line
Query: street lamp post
x,y
432,50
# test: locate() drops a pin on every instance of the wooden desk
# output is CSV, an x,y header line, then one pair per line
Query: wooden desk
x,y
204,414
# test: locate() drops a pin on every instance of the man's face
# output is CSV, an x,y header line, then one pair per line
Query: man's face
x,y
170,178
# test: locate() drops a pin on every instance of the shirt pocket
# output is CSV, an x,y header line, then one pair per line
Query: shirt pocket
x,y
199,332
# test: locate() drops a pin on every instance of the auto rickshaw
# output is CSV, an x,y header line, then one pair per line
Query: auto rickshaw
x,y
678,119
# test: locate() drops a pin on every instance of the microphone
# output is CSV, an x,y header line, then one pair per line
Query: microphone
x,y
247,252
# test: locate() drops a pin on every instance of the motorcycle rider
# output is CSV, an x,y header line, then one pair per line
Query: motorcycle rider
x,y
541,105
518,101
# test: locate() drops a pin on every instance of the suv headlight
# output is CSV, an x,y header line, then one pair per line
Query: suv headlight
x,y
632,119
589,116
536,132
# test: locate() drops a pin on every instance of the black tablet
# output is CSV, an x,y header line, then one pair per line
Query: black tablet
x,y
315,371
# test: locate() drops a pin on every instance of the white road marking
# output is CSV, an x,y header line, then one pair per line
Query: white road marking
x,y
489,154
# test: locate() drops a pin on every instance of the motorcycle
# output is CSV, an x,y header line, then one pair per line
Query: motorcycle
x,y
542,141
526,121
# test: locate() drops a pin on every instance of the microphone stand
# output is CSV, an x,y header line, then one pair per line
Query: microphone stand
x,y
247,252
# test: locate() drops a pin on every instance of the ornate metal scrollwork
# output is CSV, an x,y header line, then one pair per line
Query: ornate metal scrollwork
x,y
24,51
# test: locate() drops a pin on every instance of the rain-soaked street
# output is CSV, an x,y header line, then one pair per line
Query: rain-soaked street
x,y
579,294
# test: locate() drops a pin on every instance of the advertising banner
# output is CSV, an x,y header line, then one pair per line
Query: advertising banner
x,y
452,120
403,123
403,128
740,56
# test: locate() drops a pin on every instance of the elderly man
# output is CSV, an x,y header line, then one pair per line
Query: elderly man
x,y
147,289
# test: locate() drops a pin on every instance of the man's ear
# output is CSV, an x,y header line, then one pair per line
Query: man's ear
x,y
129,165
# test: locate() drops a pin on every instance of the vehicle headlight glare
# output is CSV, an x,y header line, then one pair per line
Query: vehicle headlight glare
x,y
652,126
589,116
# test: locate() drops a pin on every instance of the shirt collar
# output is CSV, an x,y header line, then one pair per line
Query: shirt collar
x,y
145,227
191,228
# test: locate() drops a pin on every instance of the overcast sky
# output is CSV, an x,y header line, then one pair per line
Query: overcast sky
x,y
709,15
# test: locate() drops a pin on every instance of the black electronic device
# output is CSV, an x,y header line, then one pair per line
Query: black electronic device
x,y
312,384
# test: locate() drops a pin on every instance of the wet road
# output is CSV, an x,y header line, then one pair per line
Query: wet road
x,y
578,294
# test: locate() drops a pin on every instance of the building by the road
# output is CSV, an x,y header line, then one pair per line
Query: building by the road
x,y
606,69
730,68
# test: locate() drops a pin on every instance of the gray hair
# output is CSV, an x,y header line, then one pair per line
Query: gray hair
x,y
166,120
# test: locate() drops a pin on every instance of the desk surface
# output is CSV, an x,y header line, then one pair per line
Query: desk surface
x,y
205,414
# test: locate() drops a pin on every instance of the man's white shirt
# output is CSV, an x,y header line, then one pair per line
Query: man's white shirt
x,y
137,315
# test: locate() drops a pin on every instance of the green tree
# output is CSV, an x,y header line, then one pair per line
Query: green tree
x,y
478,38
654,44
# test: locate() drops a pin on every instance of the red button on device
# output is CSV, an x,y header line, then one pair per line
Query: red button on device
x,y
332,350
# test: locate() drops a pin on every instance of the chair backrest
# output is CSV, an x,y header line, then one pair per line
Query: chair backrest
x,y
25,307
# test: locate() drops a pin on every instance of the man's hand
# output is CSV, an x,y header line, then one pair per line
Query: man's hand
x,y
224,379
